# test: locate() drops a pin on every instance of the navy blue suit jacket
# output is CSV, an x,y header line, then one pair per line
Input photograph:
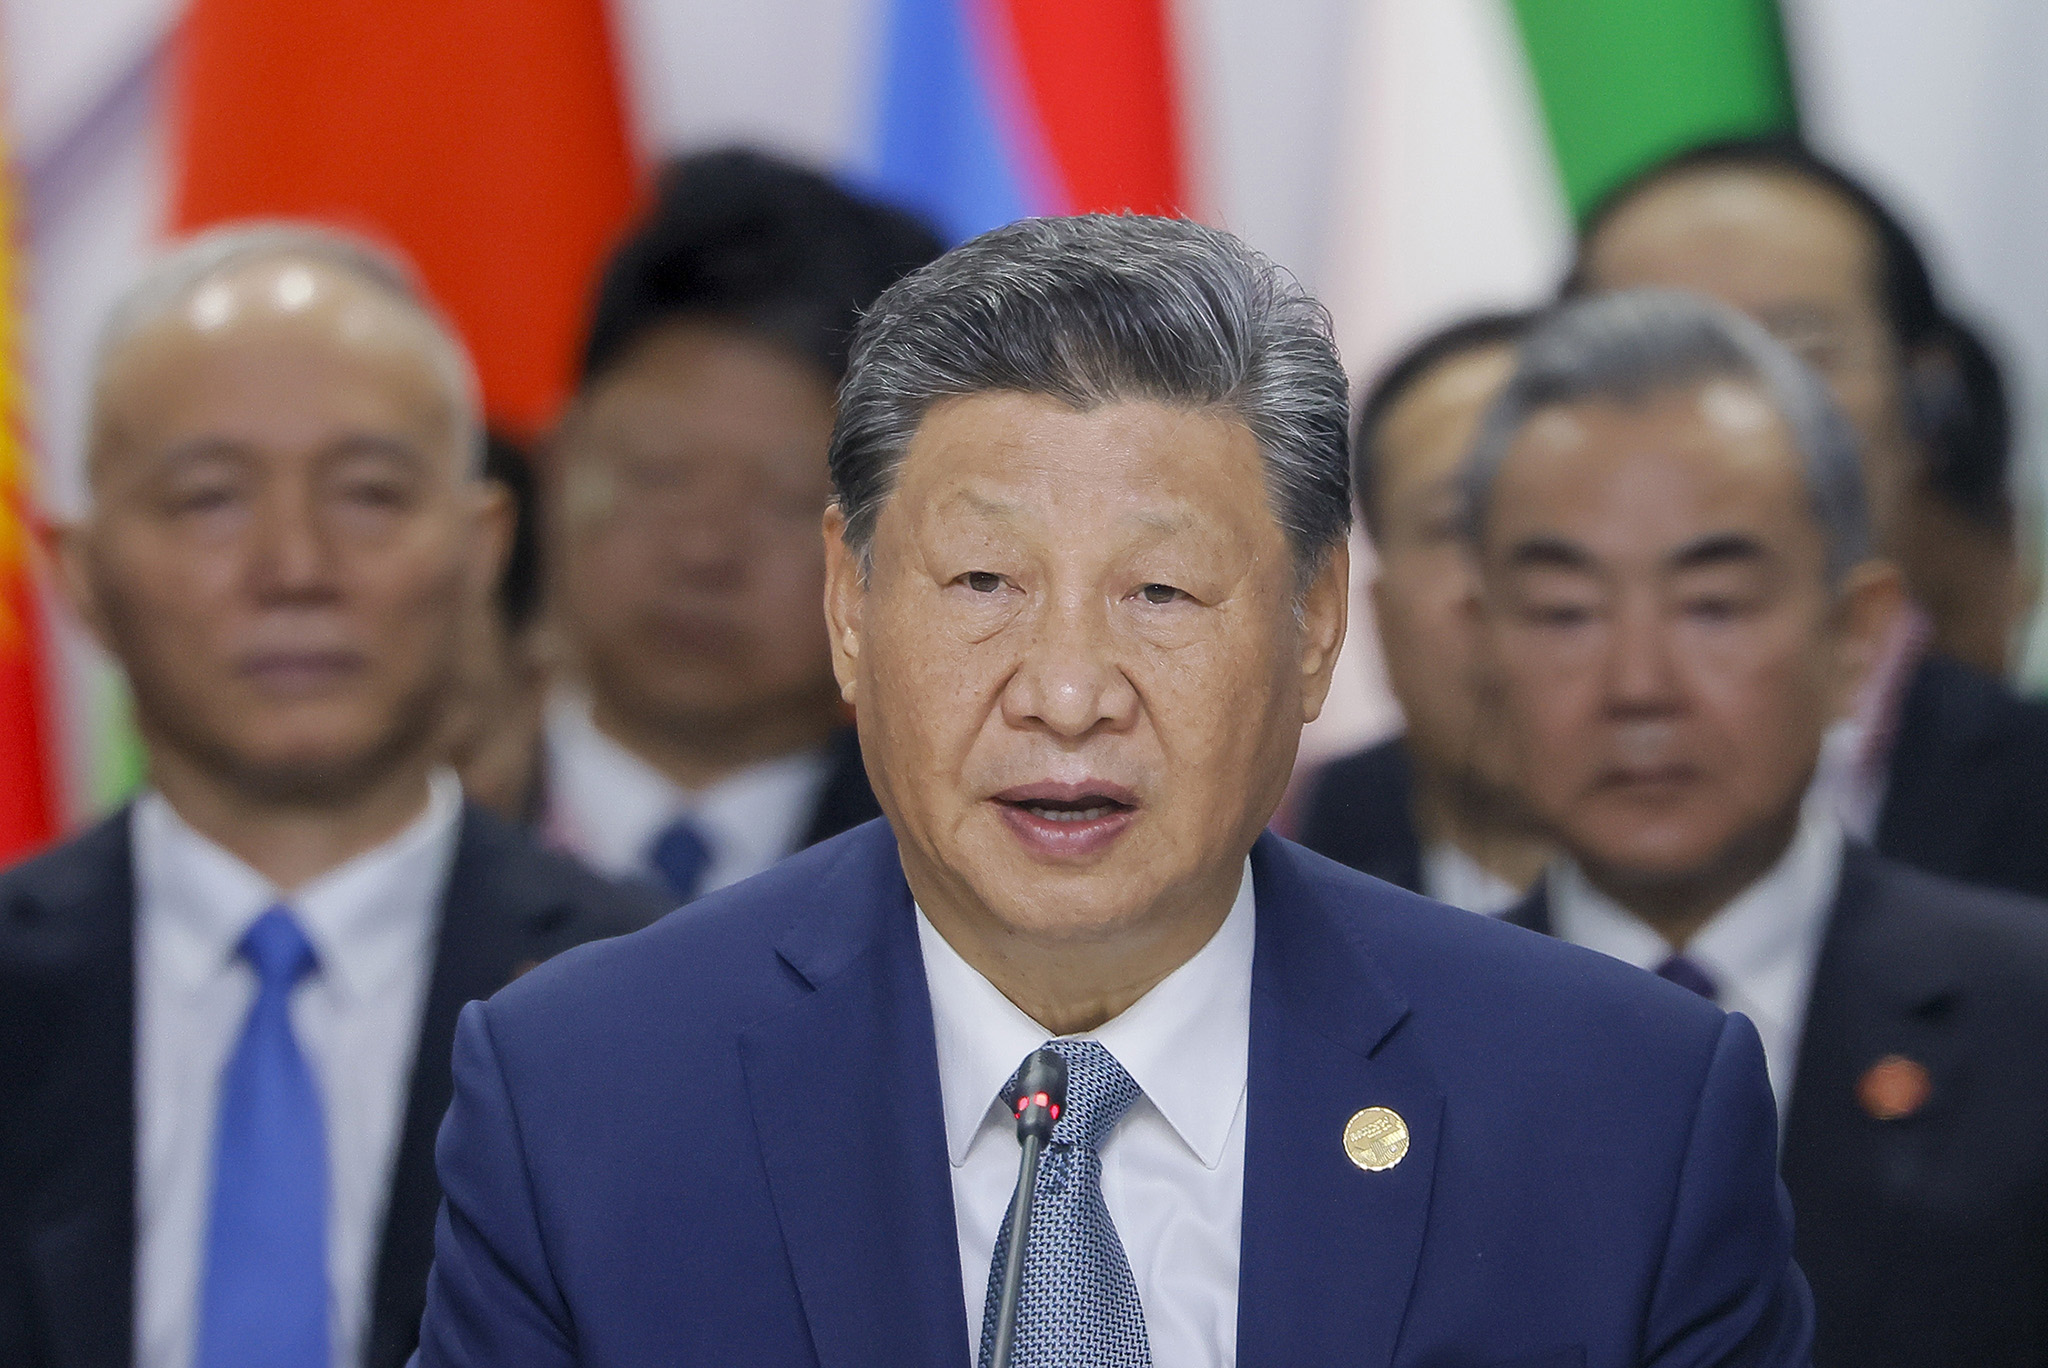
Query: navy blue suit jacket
x,y
719,1141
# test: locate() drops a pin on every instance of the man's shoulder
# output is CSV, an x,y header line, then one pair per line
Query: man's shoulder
x,y
712,964
1355,809
1480,981
82,887
1912,916
518,868
1954,710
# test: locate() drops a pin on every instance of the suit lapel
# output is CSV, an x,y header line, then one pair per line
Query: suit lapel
x,y
76,1126
844,1086
492,921
1329,1250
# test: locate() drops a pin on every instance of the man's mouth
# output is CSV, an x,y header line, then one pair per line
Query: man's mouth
x,y
1079,810
1067,821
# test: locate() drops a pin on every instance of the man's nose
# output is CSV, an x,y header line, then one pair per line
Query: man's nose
x,y
1642,679
1070,681
706,539
293,553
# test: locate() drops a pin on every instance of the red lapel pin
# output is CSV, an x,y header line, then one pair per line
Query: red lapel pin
x,y
1894,1088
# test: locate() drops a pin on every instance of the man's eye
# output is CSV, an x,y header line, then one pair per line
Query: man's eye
x,y
1160,593
202,499
982,581
1558,614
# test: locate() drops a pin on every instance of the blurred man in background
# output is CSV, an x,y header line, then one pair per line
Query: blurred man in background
x,y
704,738
1433,810
228,1009
1947,768
494,719
1680,594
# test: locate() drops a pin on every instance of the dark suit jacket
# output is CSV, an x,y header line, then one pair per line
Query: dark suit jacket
x,y
1967,794
846,800
67,1078
720,1141
1357,812
1925,1239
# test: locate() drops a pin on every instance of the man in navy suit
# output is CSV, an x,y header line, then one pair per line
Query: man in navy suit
x,y
1680,593
1086,581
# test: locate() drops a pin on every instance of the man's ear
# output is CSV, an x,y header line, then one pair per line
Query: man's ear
x,y
70,548
845,596
491,546
1325,613
1867,606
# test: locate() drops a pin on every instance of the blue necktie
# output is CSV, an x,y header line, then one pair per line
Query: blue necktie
x,y
1688,974
263,1301
1078,1307
682,853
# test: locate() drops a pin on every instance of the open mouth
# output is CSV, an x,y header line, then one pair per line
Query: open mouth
x,y
1064,821
1073,810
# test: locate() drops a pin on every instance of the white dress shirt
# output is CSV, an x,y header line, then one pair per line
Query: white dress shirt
x,y
372,923
1760,950
1451,876
606,805
1172,1169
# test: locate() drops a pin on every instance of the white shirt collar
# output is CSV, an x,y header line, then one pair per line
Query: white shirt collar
x,y
1760,949
1185,1043
365,917
1451,876
608,805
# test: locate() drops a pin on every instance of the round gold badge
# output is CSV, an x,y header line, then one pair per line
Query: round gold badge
x,y
1376,1139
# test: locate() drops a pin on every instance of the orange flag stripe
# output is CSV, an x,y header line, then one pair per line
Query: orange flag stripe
x,y
485,137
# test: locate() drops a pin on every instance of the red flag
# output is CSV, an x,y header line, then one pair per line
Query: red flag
x,y
28,810
485,137
1102,80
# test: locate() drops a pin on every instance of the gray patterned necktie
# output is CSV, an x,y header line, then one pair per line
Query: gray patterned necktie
x,y
1079,1304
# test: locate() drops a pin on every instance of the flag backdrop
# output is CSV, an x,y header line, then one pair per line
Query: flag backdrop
x,y
28,809
485,137
1412,158
989,110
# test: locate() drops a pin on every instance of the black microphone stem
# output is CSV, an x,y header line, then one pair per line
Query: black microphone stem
x,y
1041,1097
1013,1266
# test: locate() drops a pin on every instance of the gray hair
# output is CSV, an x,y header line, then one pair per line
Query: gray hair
x,y
174,279
1624,347
1093,310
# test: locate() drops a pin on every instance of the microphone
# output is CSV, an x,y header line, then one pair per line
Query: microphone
x,y
1041,1097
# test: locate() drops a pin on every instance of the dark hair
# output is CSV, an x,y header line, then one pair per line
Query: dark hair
x,y
1631,344
519,586
1905,286
757,242
1965,418
1474,333
1095,309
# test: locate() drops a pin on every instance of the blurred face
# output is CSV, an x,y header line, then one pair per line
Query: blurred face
x,y
284,535
1800,262
1423,592
1077,665
1669,646
693,474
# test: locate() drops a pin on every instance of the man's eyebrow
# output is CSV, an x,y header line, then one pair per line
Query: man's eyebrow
x,y
1549,553
1719,548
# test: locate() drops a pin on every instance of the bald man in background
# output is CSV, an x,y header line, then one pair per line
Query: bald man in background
x,y
224,1052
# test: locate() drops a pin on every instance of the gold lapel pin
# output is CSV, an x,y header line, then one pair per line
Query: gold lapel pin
x,y
1376,1139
